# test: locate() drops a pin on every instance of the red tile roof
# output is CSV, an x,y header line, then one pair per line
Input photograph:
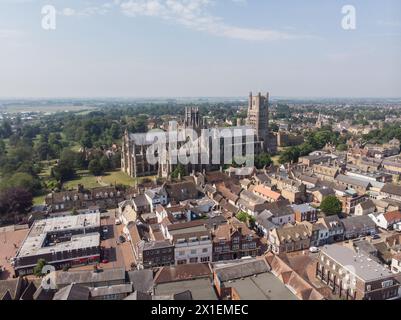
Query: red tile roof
x,y
267,192
392,217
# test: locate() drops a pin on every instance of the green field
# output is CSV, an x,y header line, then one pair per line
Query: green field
x,y
90,181
118,177
84,178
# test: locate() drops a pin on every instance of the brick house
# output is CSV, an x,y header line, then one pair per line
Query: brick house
x,y
234,240
103,197
304,212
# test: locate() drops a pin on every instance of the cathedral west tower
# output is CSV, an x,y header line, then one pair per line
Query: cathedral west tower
x,y
258,117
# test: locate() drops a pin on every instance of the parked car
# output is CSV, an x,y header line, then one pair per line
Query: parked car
x,y
105,230
375,237
118,222
314,249
121,239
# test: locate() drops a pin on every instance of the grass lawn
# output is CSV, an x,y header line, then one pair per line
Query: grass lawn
x,y
90,181
47,166
118,177
84,178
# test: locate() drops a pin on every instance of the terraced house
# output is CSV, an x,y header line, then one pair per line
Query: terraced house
x,y
289,238
234,240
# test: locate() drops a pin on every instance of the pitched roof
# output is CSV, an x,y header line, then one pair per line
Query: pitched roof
x,y
392,189
358,222
292,233
225,231
303,290
142,280
181,191
392,217
13,287
241,269
267,192
83,277
125,288
72,292
182,272
353,181
367,205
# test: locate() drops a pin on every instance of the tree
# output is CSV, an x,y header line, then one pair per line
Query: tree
x,y
105,163
263,160
63,172
22,180
15,200
242,216
331,205
86,141
5,129
179,171
95,167
43,150
38,269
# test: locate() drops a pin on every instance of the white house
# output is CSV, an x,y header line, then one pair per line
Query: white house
x,y
192,241
156,196
365,208
386,220
173,213
282,215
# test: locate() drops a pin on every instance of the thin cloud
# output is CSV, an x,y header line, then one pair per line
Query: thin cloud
x,y
192,14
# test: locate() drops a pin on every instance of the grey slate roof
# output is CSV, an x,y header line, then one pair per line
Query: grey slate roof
x,y
353,181
357,223
65,278
142,280
117,289
72,292
392,189
241,269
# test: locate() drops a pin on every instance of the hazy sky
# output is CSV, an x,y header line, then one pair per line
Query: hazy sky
x,y
162,48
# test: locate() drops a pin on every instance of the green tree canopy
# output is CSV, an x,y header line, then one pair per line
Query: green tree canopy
x,y
95,167
178,171
38,269
331,205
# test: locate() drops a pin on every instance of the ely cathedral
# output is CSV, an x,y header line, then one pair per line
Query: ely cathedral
x,y
135,146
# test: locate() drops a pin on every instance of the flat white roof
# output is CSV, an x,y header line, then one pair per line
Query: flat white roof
x,y
359,264
34,242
